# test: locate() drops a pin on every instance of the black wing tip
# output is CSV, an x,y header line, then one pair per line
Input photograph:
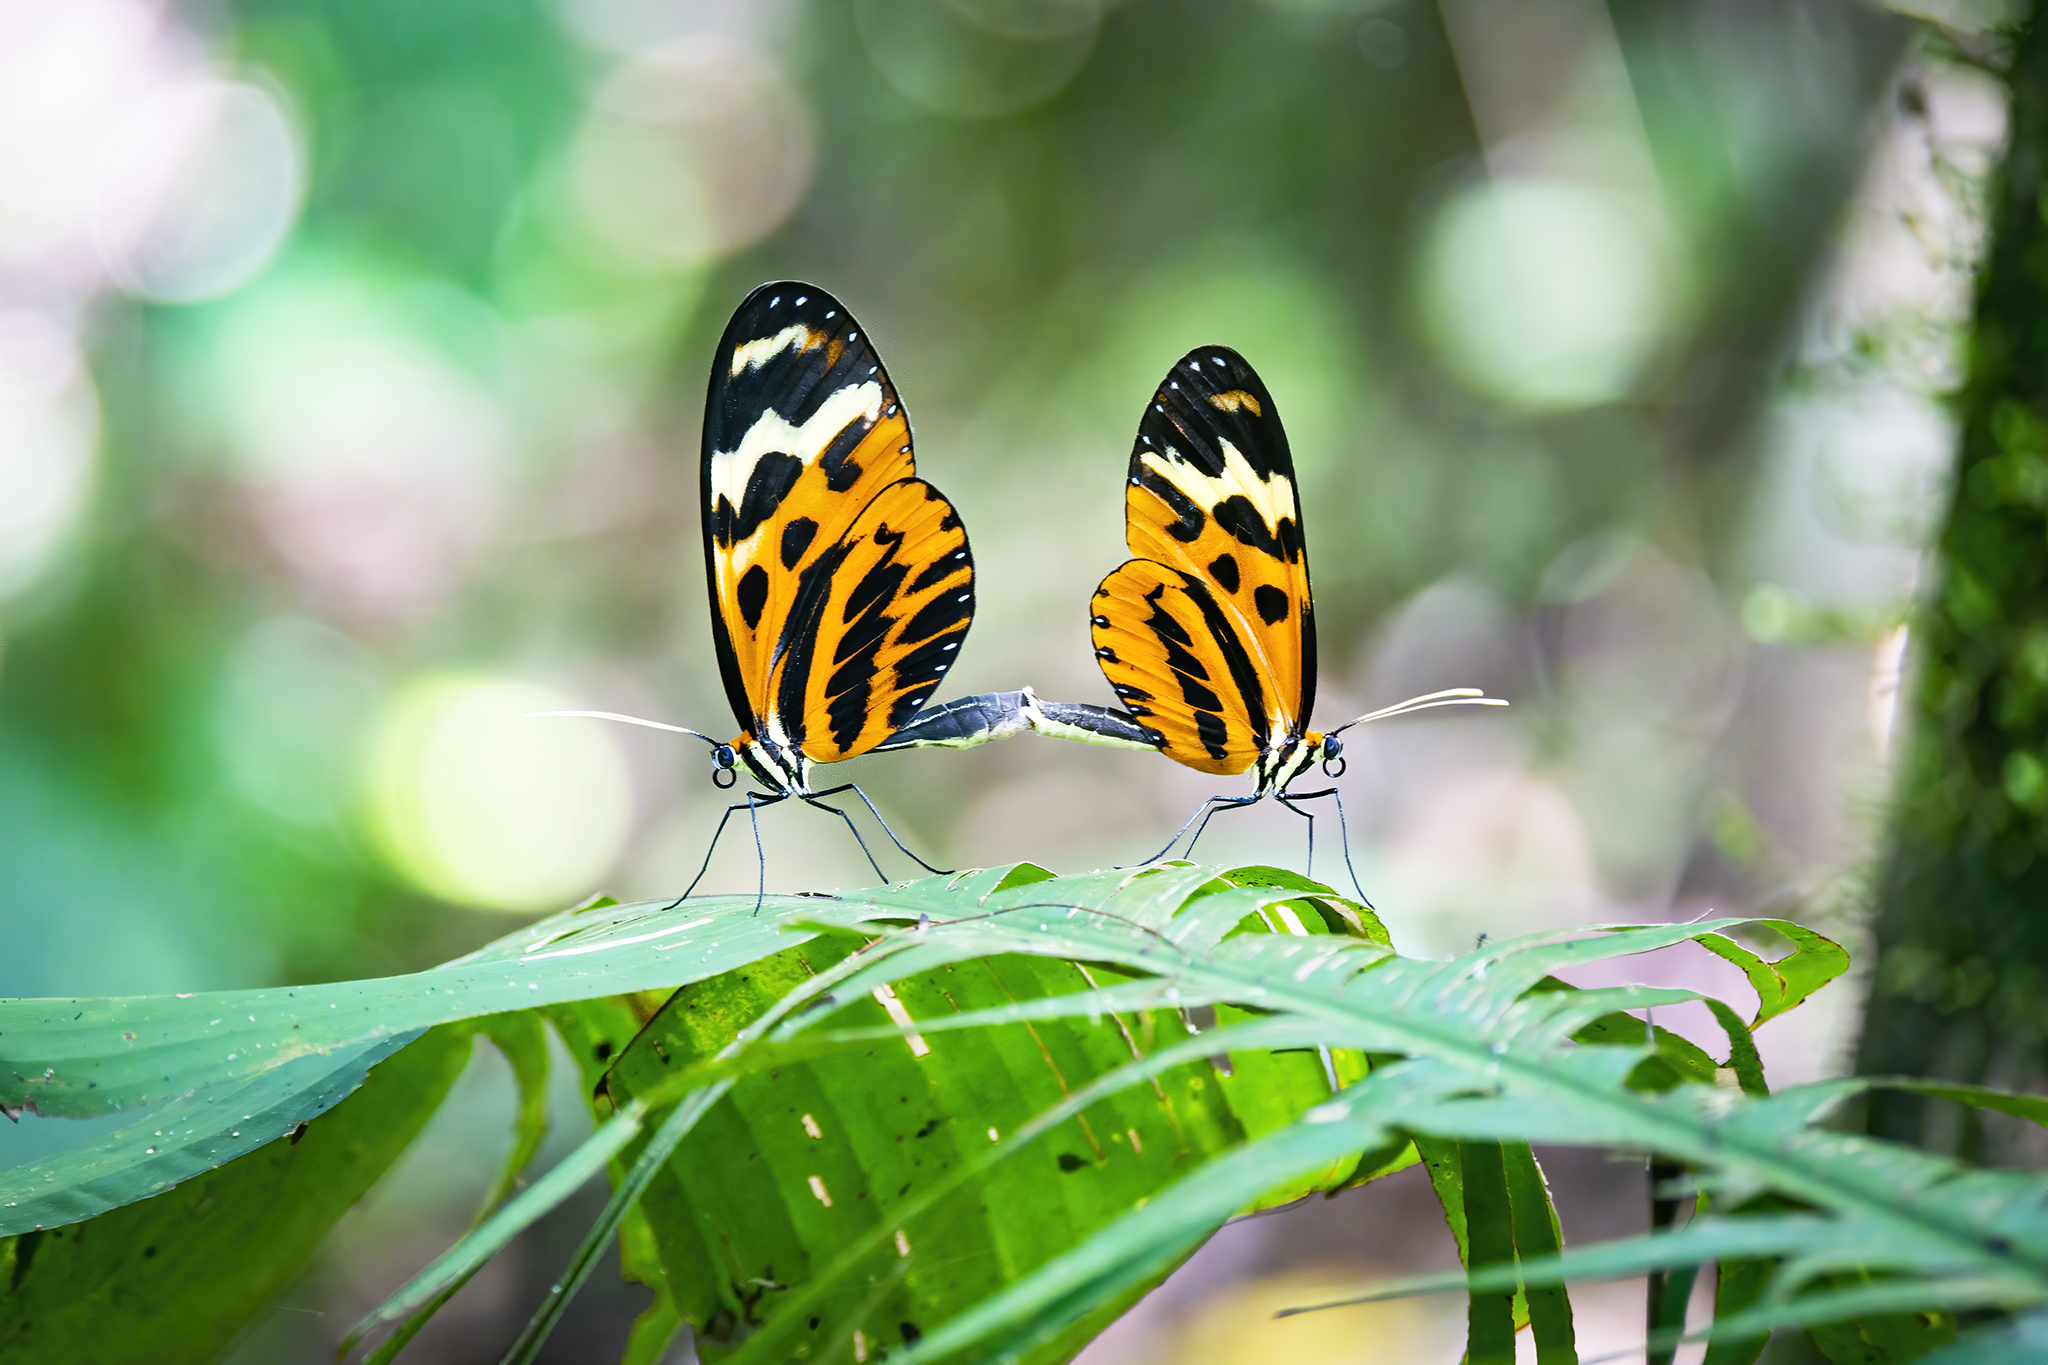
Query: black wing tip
x,y
783,296
1204,358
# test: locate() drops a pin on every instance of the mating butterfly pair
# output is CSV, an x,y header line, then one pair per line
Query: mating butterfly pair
x,y
842,585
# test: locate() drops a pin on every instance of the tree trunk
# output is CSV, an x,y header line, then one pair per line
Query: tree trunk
x,y
1960,988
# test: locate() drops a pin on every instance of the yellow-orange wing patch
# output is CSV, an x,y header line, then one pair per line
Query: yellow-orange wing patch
x,y
802,429
880,618
1174,657
1210,497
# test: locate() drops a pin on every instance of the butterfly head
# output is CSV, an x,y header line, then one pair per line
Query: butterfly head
x,y
724,765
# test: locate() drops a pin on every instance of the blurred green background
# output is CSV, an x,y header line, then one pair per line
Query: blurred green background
x,y
351,361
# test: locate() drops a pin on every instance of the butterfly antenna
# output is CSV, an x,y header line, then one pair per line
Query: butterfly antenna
x,y
1450,696
631,720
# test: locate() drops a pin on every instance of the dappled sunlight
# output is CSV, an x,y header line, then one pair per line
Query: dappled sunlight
x,y
475,801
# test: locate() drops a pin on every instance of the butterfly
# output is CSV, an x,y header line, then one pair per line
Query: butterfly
x,y
1207,634
841,583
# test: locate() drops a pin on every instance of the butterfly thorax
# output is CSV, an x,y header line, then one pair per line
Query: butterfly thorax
x,y
1280,763
779,767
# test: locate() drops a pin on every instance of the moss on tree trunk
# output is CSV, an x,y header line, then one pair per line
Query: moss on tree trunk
x,y
1961,982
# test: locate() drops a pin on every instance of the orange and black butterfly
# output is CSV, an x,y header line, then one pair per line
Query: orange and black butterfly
x,y
1208,634
841,583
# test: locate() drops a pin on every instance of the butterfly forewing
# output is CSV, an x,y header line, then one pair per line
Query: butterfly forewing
x,y
802,429
880,618
1210,495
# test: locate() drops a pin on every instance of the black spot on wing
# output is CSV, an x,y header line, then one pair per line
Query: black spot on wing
x,y
1214,734
1236,515
1271,602
1188,515
768,483
1224,570
796,538
752,595
841,473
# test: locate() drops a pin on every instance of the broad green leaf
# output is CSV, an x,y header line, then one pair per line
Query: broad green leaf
x,y
76,1058
799,1164
174,1142
174,1277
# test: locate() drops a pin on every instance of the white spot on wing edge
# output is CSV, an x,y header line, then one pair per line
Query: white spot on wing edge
x,y
818,1188
900,1017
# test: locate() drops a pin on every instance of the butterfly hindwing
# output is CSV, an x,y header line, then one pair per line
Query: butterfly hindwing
x,y
1210,500
802,430
1175,658
880,618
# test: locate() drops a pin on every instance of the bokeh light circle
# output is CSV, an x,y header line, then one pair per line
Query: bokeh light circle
x,y
979,58
690,152
478,804
204,183
1547,295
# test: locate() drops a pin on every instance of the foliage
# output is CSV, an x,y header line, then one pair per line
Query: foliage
x,y
951,1062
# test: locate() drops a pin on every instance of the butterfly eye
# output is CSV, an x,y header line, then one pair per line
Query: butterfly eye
x,y
1333,747
723,757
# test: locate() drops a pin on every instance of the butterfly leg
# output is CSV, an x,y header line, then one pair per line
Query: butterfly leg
x,y
855,789
1343,834
1202,813
1309,869
754,801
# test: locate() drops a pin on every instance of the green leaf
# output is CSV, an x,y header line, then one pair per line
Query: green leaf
x,y
1489,1227
455,1265
802,1164
77,1058
176,1141
2021,1341
1813,962
522,1039
185,1269
1537,1234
